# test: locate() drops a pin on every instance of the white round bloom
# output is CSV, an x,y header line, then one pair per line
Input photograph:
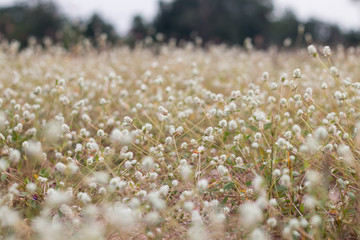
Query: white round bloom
x,y
147,163
232,125
312,50
84,197
265,76
250,214
175,183
327,51
315,220
31,187
202,185
60,167
122,137
14,156
297,73
223,123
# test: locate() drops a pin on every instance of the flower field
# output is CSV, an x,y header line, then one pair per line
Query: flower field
x,y
168,142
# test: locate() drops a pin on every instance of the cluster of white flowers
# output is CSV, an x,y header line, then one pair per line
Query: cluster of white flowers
x,y
186,143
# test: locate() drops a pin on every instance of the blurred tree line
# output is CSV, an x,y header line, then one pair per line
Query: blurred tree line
x,y
232,21
212,21
42,19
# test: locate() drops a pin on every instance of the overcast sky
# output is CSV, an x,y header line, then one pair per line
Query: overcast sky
x,y
120,12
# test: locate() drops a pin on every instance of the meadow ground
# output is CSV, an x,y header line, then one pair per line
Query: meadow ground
x,y
179,143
